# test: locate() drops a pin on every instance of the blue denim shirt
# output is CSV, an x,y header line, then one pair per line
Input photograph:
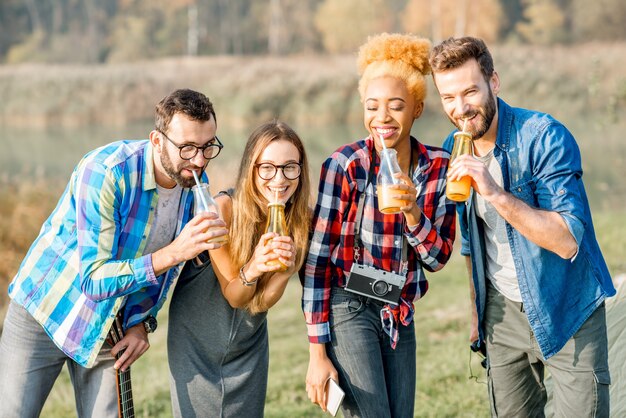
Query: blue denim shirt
x,y
541,165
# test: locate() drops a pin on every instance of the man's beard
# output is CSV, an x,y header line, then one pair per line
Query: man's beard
x,y
175,174
487,112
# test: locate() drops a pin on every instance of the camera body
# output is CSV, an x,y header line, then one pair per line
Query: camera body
x,y
376,284
479,346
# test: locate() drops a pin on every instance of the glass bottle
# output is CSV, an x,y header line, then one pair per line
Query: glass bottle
x,y
388,168
203,202
276,223
459,190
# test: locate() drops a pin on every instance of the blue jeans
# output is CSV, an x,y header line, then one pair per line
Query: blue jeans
x,y
30,363
378,380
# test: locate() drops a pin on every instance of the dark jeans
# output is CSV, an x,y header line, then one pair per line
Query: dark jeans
x,y
378,380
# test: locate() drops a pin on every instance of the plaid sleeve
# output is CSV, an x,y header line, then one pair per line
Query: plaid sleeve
x,y
332,200
98,197
433,236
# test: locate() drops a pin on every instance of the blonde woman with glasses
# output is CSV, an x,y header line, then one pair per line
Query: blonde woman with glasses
x,y
217,342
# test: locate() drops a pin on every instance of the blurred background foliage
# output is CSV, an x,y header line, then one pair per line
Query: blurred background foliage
x,y
103,31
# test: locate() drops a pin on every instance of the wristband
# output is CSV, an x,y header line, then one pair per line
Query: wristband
x,y
245,281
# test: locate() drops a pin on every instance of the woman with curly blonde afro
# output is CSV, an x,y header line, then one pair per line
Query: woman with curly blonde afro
x,y
361,336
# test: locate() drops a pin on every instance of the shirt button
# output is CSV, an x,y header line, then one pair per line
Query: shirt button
x,y
396,242
519,189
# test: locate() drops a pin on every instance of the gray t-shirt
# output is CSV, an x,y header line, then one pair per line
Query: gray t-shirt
x,y
500,268
165,219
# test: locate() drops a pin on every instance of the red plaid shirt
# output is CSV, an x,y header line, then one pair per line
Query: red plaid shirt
x,y
343,178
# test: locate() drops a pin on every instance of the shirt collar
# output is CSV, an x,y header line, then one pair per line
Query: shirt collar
x,y
505,120
149,181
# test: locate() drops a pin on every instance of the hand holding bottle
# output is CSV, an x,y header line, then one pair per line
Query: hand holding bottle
x,y
480,179
197,236
273,253
204,202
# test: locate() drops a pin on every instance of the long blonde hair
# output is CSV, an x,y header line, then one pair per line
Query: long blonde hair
x,y
250,207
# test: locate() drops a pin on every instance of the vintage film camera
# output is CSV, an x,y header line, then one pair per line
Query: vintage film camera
x,y
376,284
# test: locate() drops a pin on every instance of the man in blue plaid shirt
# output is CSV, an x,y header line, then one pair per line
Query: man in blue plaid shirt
x,y
114,244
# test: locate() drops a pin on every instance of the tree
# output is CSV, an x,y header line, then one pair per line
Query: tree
x,y
598,20
345,24
440,19
275,28
543,22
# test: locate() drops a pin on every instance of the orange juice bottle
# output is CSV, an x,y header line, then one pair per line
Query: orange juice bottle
x,y
459,190
276,223
388,167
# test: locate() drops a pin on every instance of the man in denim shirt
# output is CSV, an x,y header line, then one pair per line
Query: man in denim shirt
x,y
538,277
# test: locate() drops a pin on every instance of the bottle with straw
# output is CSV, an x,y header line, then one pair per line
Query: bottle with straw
x,y
276,223
459,190
386,177
203,202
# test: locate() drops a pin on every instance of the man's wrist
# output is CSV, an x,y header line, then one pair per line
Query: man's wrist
x,y
163,260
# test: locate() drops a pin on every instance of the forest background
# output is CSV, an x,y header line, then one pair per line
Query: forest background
x,y
76,74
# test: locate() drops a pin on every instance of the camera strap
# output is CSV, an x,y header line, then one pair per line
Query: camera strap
x,y
359,218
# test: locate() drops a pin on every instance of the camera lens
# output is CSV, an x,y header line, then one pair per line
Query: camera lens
x,y
380,288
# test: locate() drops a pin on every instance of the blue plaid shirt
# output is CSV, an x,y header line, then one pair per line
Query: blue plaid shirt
x,y
88,261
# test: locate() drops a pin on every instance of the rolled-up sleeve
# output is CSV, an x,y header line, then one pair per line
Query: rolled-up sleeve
x,y
558,174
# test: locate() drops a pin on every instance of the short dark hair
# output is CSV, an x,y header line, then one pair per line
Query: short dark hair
x,y
191,103
454,52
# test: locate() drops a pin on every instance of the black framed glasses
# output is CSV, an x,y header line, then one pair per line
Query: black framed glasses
x,y
267,171
189,151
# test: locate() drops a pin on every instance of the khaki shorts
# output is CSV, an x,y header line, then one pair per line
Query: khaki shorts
x,y
516,366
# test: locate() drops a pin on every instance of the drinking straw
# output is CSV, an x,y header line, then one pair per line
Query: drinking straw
x,y
205,204
275,196
464,123
386,154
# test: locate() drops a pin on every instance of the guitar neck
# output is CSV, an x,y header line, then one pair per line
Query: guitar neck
x,y
125,405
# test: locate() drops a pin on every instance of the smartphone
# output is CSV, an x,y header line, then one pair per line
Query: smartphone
x,y
334,396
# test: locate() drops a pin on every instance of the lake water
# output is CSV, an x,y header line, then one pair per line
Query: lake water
x,y
52,154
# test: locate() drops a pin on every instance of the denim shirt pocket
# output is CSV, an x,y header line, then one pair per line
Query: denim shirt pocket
x,y
525,191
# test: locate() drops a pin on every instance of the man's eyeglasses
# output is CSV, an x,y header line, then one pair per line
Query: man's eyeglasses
x,y
189,151
267,171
